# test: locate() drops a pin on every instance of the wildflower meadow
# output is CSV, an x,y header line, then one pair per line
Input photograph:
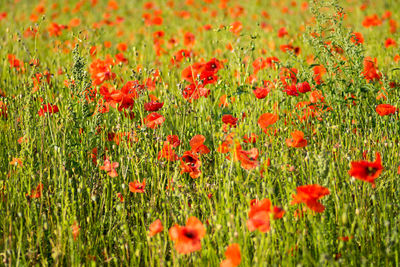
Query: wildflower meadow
x,y
199,133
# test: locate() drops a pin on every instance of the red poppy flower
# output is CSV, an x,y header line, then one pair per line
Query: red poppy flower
x,y
194,91
16,162
282,32
370,71
153,120
309,195
225,146
167,152
153,106
248,159
266,120
259,215
385,109
173,140
261,92
49,108
189,39
197,144
319,71
208,77
372,20
100,71
291,90
155,228
297,140
110,168
303,87
190,163
75,229
187,238
230,120
213,65
191,72
367,171
36,192
357,38
236,27
390,42
137,187
233,256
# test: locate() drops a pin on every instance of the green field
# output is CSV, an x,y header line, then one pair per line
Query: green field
x,y
199,133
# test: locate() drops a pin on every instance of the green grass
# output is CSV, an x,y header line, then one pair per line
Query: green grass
x,y
37,231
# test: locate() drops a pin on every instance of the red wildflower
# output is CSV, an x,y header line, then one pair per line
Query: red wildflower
x,y
309,195
15,63
303,87
345,238
367,171
266,120
319,71
214,65
291,90
372,20
262,92
190,163
75,229
248,159
390,42
55,29
357,38
153,120
385,109
137,187
110,168
189,39
282,32
156,227
49,108
233,257
370,71
259,215
153,106
297,140
167,152
197,144
36,192
195,91
230,120
101,71
187,238
173,140
16,162
236,27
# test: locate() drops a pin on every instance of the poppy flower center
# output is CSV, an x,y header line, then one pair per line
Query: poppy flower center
x,y
371,170
189,234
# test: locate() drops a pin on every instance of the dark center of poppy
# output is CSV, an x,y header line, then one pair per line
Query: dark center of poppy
x,y
189,234
371,170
